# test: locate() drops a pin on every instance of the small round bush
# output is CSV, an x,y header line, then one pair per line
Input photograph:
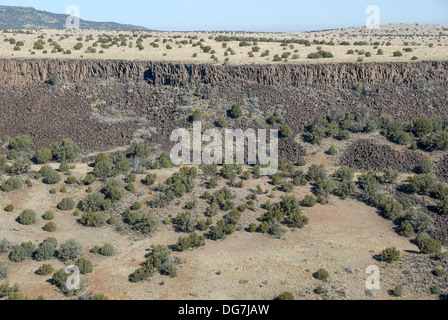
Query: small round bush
x,y
45,270
309,201
285,131
130,178
429,246
221,122
70,250
50,175
84,265
4,270
398,291
390,255
27,217
50,227
285,296
111,221
197,115
114,190
43,156
136,206
12,184
149,180
64,167
252,228
66,204
9,208
319,290
332,151
93,219
435,289
130,187
107,250
236,111
142,150
438,272
71,180
321,274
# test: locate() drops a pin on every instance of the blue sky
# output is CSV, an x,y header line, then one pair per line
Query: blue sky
x,y
248,15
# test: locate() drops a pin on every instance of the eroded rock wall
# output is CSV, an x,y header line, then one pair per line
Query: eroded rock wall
x,y
321,76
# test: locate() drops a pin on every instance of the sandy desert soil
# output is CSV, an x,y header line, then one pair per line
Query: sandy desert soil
x,y
342,237
428,42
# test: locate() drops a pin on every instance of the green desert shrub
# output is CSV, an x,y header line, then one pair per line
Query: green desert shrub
x,y
104,167
50,227
64,167
397,291
426,167
4,270
332,151
430,246
85,266
197,115
150,179
185,222
71,180
389,255
285,296
9,208
158,259
236,111
321,274
22,252
309,201
93,219
142,150
43,156
320,54
406,229
136,206
435,289
66,150
46,250
21,143
191,241
285,131
27,217
114,190
12,184
59,279
221,122
50,175
45,270
66,204
70,250
89,179
438,272
107,250
93,202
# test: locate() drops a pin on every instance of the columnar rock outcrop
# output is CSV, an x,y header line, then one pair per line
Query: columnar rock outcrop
x,y
321,76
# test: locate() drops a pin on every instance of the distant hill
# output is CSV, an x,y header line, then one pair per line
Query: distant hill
x,y
30,18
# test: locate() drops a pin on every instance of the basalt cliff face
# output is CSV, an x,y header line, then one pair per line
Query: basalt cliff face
x,y
104,104
320,76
